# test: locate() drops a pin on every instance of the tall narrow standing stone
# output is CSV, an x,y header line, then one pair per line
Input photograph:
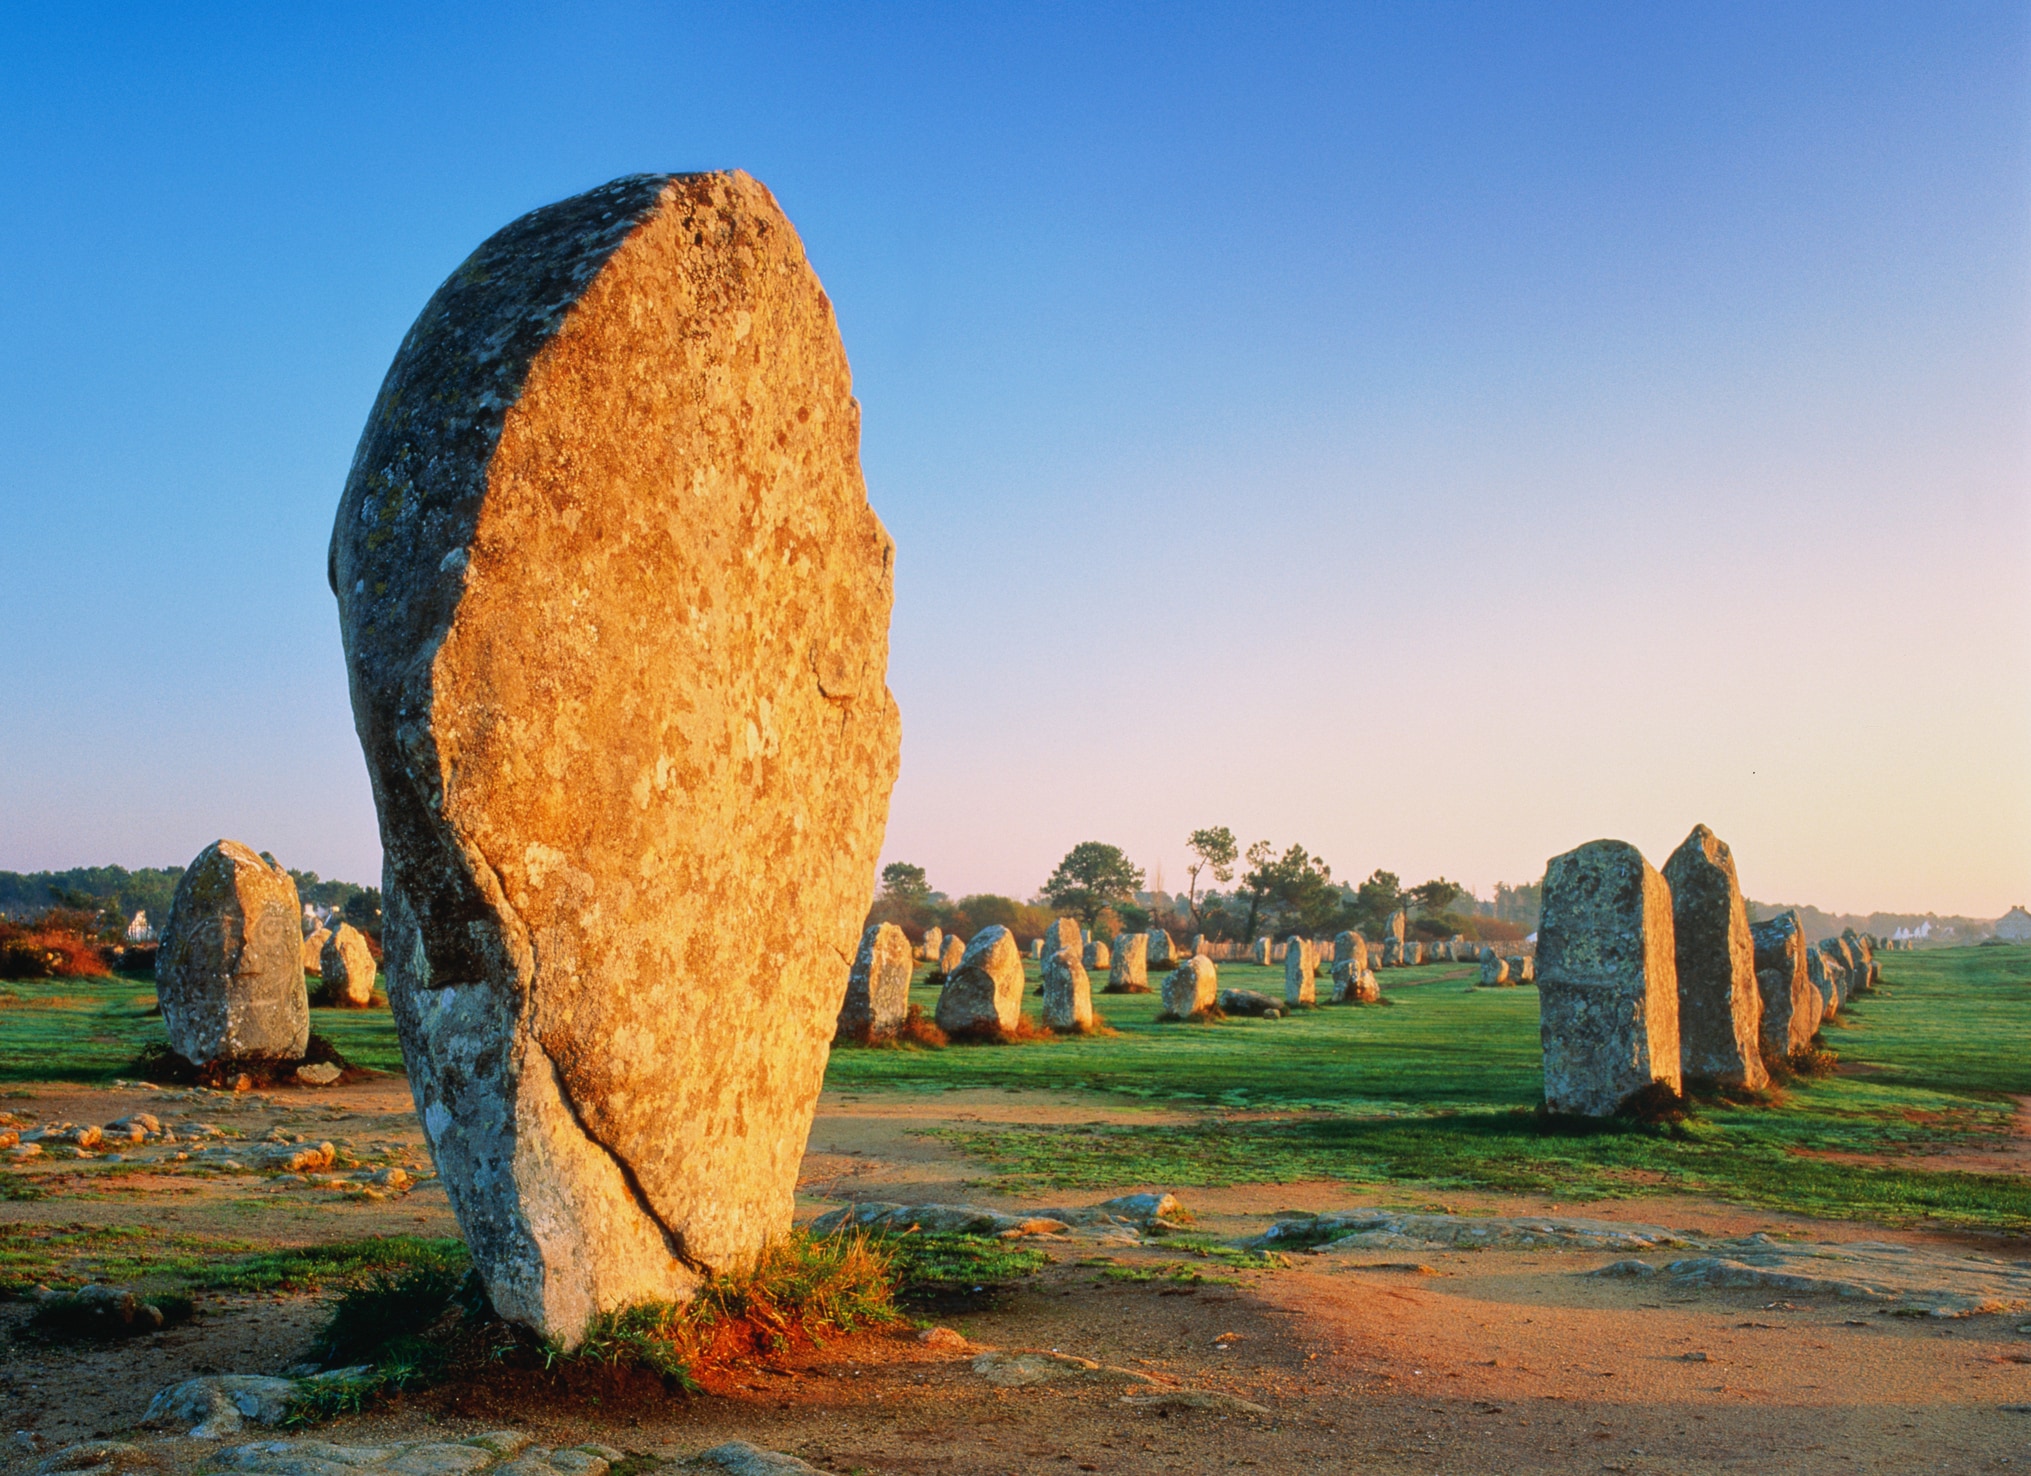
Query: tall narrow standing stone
x,y
1129,971
313,951
1791,1005
1607,980
1820,969
1162,952
984,995
615,612
1720,1025
953,950
877,987
229,970
933,947
1863,956
1394,928
1300,973
1259,951
1068,994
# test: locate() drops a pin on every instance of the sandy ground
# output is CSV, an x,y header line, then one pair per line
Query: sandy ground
x,y
1498,1361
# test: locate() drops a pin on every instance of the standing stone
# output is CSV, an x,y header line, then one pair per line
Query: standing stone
x,y
951,951
984,995
1392,951
1097,955
1791,1005
1352,985
1719,1025
1494,970
1200,948
1036,948
229,973
347,968
1607,980
877,987
615,612
1394,928
1163,953
1129,972
1835,982
1300,973
1863,967
313,951
1350,947
1413,952
1191,987
1259,951
1521,968
1062,934
1820,969
1068,995
933,948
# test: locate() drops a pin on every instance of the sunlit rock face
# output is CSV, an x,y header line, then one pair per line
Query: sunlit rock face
x,y
229,970
615,612
1607,980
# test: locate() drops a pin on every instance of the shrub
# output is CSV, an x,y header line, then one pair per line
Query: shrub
x,y
57,945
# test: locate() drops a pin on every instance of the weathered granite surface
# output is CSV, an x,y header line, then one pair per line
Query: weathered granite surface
x,y
877,986
1606,979
615,611
1720,1009
229,969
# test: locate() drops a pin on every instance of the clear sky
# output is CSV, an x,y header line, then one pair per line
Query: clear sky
x,y
1437,434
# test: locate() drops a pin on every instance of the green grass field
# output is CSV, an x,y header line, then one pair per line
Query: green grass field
x,y
1435,1089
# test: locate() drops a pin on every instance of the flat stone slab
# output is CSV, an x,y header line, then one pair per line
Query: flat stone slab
x,y
738,1458
1126,1216
1374,1229
515,1452
1907,1280
1023,1370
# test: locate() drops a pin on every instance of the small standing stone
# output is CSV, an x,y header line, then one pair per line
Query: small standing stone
x,y
950,952
1200,947
1352,985
313,950
1398,921
1061,934
1820,968
1494,970
1392,951
1259,951
1608,980
984,994
1191,987
1413,952
229,973
1720,1025
1097,955
877,988
1300,973
1791,1005
933,948
1068,996
1163,953
348,968
1128,973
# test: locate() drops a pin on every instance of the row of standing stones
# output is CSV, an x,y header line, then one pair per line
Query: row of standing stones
x,y
1651,979
615,614
230,966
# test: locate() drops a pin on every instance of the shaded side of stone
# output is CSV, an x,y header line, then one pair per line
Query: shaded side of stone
x,y
877,987
229,970
1719,1006
1607,980
1791,1005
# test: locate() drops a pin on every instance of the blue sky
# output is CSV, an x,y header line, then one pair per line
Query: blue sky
x,y
1437,434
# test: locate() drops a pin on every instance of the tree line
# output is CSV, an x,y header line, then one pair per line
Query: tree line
x,y
1276,893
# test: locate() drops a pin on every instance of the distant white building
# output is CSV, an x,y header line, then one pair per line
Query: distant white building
x,y
1905,935
138,930
2014,926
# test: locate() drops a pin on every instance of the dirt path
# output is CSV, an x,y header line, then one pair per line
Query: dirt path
x,y
1506,1361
